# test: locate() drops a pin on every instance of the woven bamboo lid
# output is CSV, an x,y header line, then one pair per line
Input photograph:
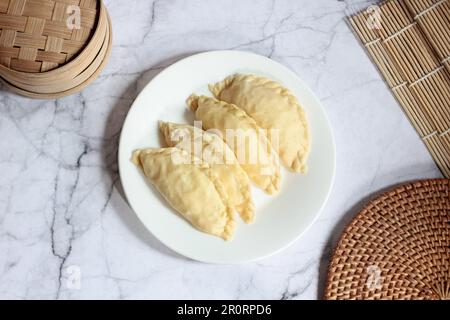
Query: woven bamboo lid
x,y
34,34
398,247
45,52
67,85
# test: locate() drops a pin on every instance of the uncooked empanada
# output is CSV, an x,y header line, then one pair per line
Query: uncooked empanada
x,y
250,145
193,190
211,149
274,108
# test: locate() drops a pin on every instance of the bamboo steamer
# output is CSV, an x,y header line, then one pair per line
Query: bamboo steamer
x,y
45,59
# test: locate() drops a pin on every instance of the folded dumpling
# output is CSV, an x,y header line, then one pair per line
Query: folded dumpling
x,y
192,190
211,149
274,108
248,142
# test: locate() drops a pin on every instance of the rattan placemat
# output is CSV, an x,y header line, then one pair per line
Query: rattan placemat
x,y
409,41
398,247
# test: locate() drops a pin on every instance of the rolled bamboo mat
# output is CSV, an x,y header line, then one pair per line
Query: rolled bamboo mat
x,y
410,44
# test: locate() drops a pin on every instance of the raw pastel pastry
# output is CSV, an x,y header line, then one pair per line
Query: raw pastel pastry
x,y
211,149
274,108
254,153
193,190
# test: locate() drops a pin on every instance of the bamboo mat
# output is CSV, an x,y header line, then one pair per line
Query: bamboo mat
x,y
410,44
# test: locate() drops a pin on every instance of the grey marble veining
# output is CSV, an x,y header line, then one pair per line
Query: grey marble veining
x,y
62,216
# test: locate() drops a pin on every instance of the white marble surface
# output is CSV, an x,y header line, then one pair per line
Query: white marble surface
x,y
60,203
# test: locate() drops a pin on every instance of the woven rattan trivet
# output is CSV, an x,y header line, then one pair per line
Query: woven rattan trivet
x,y
398,247
409,41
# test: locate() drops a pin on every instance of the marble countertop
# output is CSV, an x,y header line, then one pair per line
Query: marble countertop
x,y
67,233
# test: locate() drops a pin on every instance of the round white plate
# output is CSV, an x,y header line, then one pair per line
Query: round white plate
x,y
281,219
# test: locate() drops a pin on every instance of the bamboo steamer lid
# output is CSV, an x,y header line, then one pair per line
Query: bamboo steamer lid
x,y
41,56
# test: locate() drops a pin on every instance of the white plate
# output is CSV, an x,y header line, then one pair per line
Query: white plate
x,y
280,220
